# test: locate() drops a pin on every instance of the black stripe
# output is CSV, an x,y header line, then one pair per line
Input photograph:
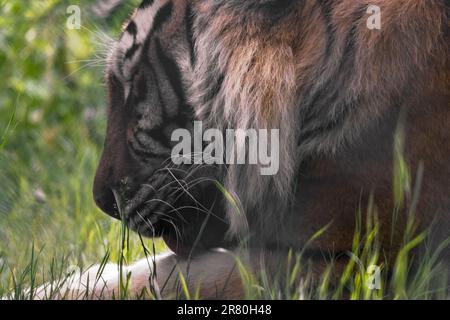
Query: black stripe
x,y
146,3
130,52
346,59
145,155
162,16
171,71
156,134
131,28
141,89
328,125
190,34
154,79
330,91
326,7
213,90
276,10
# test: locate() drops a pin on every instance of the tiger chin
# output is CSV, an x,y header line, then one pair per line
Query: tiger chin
x,y
335,88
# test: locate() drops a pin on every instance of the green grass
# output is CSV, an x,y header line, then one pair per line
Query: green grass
x,y
51,130
52,121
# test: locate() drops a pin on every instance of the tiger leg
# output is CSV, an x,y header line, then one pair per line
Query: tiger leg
x,y
212,275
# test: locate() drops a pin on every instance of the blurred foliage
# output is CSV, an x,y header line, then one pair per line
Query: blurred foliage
x,y
52,74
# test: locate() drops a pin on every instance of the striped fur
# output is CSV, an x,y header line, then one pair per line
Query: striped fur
x,y
309,68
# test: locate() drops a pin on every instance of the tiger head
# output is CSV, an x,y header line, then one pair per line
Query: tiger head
x,y
312,69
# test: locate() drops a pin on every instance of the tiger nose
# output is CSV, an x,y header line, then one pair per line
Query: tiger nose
x,y
105,200
102,191
110,191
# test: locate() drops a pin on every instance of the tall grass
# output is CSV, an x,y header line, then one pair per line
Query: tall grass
x,y
369,273
51,132
401,277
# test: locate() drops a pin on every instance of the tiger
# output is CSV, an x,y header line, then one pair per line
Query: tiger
x,y
334,87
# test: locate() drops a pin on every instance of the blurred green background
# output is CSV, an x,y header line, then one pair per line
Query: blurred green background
x,y
52,122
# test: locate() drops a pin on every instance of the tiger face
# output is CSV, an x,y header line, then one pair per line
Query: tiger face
x,y
311,69
177,62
